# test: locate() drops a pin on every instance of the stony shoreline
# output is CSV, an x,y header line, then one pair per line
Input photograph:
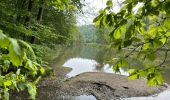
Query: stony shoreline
x,y
104,86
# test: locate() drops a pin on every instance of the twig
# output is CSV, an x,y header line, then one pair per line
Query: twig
x,y
137,46
166,54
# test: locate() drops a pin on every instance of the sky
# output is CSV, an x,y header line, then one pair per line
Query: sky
x,y
91,10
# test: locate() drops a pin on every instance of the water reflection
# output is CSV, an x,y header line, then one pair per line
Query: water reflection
x,y
80,65
89,58
162,96
82,97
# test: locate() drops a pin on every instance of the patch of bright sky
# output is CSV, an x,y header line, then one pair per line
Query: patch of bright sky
x,y
91,10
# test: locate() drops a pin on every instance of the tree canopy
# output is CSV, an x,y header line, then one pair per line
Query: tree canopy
x,y
146,31
27,27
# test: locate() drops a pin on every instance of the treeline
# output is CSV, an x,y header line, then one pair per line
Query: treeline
x,y
39,21
93,34
28,30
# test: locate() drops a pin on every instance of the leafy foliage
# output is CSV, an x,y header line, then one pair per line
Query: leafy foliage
x,y
145,29
37,24
39,21
17,71
92,34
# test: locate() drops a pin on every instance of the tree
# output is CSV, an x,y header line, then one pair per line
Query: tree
x,y
145,31
23,20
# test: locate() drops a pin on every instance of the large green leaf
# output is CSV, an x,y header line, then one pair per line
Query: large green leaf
x,y
26,47
31,89
15,53
4,42
168,34
117,33
6,94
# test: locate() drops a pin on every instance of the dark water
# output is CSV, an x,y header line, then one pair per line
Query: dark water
x,y
94,58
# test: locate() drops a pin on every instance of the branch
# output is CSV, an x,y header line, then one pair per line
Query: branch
x,y
166,55
134,49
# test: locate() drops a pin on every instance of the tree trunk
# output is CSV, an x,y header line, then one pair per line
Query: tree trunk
x,y
40,14
39,18
30,6
20,5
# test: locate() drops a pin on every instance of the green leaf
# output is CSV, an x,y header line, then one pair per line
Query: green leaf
x,y
98,18
7,83
131,71
136,39
163,40
123,62
15,53
151,81
151,56
166,24
18,72
4,42
133,77
6,94
42,70
146,46
109,3
116,68
21,86
154,3
166,7
31,89
152,31
117,33
127,43
167,34
29,65
27,47
157,43
159,79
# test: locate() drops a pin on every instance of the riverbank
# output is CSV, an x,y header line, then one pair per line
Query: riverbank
x,y
104,86
98,85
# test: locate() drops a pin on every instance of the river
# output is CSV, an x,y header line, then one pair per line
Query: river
x,y
95,58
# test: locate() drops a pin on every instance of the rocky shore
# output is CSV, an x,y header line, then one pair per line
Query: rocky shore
x,y
103,86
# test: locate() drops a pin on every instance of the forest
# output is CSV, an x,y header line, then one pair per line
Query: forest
x,y
34,32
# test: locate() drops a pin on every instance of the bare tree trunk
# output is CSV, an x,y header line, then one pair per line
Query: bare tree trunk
x,y
40,14
39,18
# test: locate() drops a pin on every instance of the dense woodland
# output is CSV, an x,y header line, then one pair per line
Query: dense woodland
x,y
37,26
93,34
30,28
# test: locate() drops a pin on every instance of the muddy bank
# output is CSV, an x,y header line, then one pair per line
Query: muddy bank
x,y
104,86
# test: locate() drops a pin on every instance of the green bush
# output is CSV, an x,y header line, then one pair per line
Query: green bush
x,y
18,67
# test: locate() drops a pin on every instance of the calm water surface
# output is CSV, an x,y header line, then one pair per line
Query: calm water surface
x,y
80,65
95,59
